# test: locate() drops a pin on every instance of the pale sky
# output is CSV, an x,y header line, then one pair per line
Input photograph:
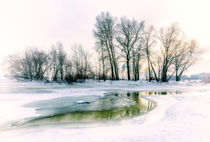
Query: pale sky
x,y
41,23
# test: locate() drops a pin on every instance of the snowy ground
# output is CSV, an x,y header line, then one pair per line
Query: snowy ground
x,y
178,117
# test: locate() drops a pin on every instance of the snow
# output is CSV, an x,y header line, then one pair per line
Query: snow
x,y
177,118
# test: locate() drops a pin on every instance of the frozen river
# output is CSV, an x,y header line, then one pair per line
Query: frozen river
x,y
110,111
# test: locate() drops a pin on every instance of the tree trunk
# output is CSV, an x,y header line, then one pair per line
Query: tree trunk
x,y
157,78
128,70
178,78
61,71
103,64
115,67
164,76
149,70
137,72
112,70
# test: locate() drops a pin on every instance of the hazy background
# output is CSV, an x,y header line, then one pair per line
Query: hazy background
x,y
41,23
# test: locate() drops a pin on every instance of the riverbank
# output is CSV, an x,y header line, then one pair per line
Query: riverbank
x,y
181,115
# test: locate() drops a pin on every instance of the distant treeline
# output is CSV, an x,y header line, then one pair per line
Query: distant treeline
x,y
52,66
121,45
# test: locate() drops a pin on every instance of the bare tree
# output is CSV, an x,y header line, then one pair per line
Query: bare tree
x,y
102,62
186,55
69,72
127,37
104,33
168,38
33,65
58,59
150,40
81,62
137,54
40,64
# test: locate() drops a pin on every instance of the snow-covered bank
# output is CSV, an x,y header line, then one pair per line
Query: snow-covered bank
x,y
178,117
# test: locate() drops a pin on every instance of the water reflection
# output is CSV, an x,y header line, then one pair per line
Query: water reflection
x,y
161,93
111,106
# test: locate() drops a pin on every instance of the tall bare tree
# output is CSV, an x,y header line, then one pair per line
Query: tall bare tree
x,y
128,35
137,54
149,40
104,32
58,59
81,62
186,54
102,61
168,38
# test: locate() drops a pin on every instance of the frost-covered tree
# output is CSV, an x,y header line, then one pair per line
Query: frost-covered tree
x,y
186,55
105,32
128,35
58,58
33,65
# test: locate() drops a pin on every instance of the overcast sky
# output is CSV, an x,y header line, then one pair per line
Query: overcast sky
x,y
42,23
